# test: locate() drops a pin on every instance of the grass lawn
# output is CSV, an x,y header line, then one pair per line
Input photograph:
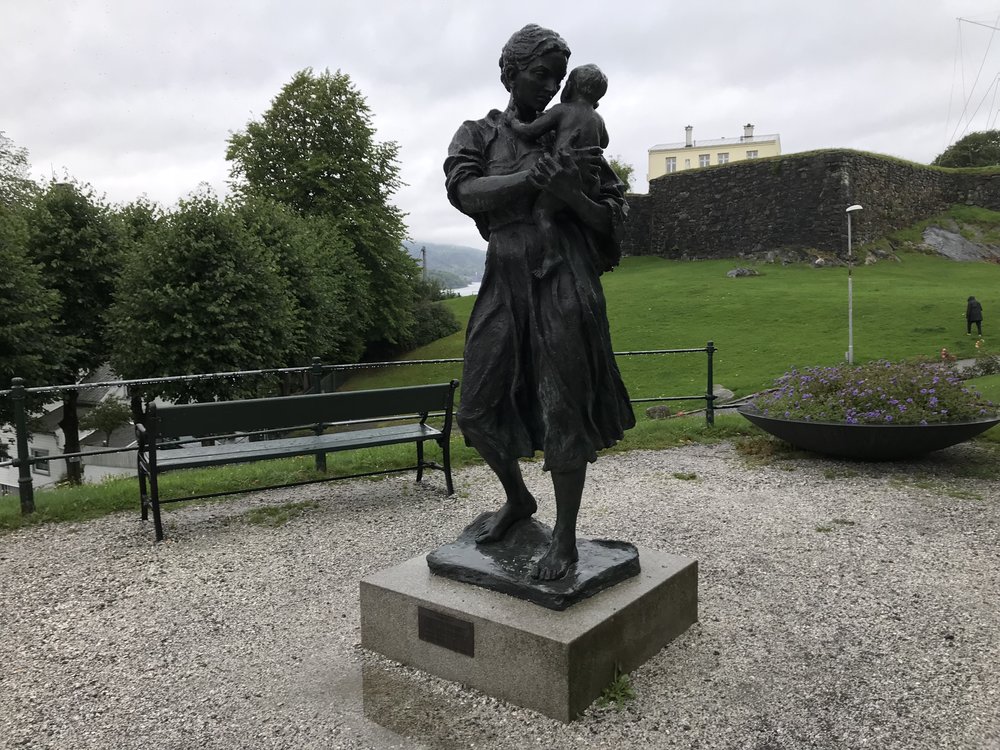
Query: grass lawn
x,y
788,316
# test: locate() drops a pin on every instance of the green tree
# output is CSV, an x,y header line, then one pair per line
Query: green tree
x,y
29,310
16,187
138,218
981,149
200,294
107,416
314,149
623,169
72,238
136,221
328,285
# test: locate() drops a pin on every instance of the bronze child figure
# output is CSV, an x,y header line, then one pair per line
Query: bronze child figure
x,y
540,372
575,124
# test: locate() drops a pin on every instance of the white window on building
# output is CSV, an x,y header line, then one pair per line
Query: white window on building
x,y
751,154
42,467
723,158
687,164
704,160
671,164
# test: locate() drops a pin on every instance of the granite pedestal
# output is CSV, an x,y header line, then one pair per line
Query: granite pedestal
x,y
555,662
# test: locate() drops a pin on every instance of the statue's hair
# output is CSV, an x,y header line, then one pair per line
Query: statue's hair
x,y
525,45
587,80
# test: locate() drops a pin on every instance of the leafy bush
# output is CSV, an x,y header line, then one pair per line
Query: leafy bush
x,y
980,149
432,321
879,392
432,288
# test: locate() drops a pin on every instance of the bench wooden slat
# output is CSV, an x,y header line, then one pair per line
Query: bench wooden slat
x,y
190,457
220,418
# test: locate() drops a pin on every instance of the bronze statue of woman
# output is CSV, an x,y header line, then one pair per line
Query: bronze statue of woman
x,y
540,372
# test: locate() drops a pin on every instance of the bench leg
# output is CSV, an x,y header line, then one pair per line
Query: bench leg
x,y
155,498
420,460
446,460
143,495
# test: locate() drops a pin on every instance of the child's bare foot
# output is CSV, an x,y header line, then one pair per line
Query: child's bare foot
x,y
556,561
494,526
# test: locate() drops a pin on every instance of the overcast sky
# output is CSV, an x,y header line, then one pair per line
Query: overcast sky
x,y
139,97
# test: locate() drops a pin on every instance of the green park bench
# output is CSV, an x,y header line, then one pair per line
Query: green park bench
x,y
185,436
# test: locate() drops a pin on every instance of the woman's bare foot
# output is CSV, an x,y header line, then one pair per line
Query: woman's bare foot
x,y
494,526
556,561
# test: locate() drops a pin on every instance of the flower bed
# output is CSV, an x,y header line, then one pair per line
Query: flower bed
x,y
878,411
881,392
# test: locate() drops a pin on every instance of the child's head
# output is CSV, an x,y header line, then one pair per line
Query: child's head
x,y
585,82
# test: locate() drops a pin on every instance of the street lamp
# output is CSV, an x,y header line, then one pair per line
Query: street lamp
x,y
850,289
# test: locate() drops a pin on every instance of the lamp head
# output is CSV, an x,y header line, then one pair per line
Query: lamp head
x,y
855,207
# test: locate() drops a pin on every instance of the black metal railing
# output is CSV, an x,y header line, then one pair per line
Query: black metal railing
x,y
314,377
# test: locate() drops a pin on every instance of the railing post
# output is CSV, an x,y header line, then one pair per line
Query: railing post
x,y
135,404
24,485
710,393
316,386
316,375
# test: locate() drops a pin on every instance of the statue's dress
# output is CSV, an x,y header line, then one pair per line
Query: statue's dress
x,y
539,373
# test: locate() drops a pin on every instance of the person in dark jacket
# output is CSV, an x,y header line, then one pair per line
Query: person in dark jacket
x,y
973,314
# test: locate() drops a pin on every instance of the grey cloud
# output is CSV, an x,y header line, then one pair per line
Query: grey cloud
x,y
140,97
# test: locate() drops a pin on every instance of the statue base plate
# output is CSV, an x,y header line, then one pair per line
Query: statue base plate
x,y
506,565
554,662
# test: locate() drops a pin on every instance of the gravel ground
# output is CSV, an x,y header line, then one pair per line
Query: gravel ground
x,y
842,606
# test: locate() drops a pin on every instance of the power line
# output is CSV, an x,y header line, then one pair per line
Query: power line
x,y
981,101
954,72
977,23
965,108
993,104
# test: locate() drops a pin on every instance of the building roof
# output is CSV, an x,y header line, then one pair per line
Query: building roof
x,y
737,141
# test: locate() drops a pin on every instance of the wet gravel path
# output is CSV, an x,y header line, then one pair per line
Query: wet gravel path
x,y
842,606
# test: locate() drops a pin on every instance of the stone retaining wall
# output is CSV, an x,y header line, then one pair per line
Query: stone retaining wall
x,y
794,202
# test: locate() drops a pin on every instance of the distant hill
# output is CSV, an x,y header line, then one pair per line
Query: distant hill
x,y
448,262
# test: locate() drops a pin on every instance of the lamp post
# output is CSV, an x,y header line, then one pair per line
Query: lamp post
x,y
850,289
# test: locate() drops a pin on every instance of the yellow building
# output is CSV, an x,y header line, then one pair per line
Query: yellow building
x,y
691,154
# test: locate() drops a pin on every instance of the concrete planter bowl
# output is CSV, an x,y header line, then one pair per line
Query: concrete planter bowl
x,y
868,442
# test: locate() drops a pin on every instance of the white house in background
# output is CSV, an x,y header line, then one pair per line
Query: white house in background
x,y
47,440
665,158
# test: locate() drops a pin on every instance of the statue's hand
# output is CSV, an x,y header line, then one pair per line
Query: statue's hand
x,y
561,174
558,175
